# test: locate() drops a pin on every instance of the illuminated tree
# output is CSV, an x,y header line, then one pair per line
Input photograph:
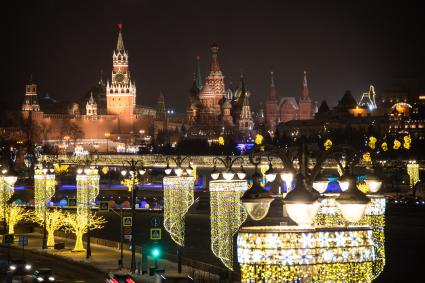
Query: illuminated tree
x,y
77,224
55,219
6,191
14,215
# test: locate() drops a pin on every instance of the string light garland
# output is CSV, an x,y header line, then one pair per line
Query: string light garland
x,y
327,144
15,215
332,250
55,219
7,189
87,189
44,188
413,172
227,215
178,197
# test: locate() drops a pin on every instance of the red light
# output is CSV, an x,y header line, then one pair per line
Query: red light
x,y
198,57
129,280
114,280
120,26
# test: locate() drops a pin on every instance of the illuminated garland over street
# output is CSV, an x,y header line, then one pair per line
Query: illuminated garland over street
x,y
227,215
44,188
413,171
7,188
178,197
87,189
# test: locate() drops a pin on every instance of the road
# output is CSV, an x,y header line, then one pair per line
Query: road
x,y
62,269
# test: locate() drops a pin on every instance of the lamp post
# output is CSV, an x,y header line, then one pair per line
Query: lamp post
x,y
135,169
178,197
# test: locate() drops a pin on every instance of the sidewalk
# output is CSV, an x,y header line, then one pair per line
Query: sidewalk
x,y
104,258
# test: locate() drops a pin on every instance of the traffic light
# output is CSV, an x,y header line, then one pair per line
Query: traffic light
x,y
155,252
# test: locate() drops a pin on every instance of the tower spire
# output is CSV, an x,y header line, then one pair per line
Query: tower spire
x,y
305,93
198,78
214,58
271,79
272,92
120,42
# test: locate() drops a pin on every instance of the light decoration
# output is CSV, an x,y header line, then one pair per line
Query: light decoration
x,y
178,197
413,172
220,140
384,146
7,189
407,142
396,144
105,170
87,189
55,220
128,182
227,215
372,142
258,139
44,188
330,251
366,157
60,168
77,223
15,215
328,144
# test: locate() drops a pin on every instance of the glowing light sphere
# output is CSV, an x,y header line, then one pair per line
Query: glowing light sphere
x,y
227,214
178,197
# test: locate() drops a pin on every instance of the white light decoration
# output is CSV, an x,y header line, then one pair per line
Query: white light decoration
x,y
178,197
178,170
259,209
321,184
373,183
343,184
87,190
270,173
352,212
291,254
227,214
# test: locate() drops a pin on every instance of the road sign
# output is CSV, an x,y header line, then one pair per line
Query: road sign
x,y
23,241
8,239
127,237
155,221
103,206
155,234
127,221
127,230
72,202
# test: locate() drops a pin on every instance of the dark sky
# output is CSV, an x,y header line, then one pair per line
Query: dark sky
x,y
342,45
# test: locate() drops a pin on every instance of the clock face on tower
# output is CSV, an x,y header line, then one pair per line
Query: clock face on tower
x,y
119,77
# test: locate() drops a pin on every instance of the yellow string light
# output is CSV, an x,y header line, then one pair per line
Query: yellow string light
x,y
7,189
178,197
227,215
258,139
55,219
87,189
328,144
372,142
413,172
384,146
396,144
44,188
407,142
15,215
220,140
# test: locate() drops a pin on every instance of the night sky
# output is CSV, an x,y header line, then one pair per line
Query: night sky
x,y
65,44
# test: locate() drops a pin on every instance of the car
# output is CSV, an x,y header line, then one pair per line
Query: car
x,y
119,278
44,275
20,267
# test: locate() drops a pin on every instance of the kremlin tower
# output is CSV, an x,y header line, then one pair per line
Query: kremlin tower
x,y
121,92
271,107
30,101
306,107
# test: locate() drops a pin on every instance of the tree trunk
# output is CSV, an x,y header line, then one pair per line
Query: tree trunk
x,y
78,242
50,238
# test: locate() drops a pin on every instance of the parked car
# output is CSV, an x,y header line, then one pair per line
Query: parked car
x,y
44,275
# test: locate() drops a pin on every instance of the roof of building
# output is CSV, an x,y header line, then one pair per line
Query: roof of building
x,y
289,100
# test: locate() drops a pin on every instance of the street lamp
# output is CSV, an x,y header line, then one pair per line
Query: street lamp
x,y
134,168
301,204
228,173
352,202
373,183
344,181
320,184
257,200
270,173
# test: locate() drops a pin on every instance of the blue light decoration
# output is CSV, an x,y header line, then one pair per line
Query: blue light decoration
x,y
63,202
244,147
333,186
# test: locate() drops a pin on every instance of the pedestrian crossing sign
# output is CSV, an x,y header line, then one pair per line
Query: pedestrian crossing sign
x,y
155,234
127,221
103,206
